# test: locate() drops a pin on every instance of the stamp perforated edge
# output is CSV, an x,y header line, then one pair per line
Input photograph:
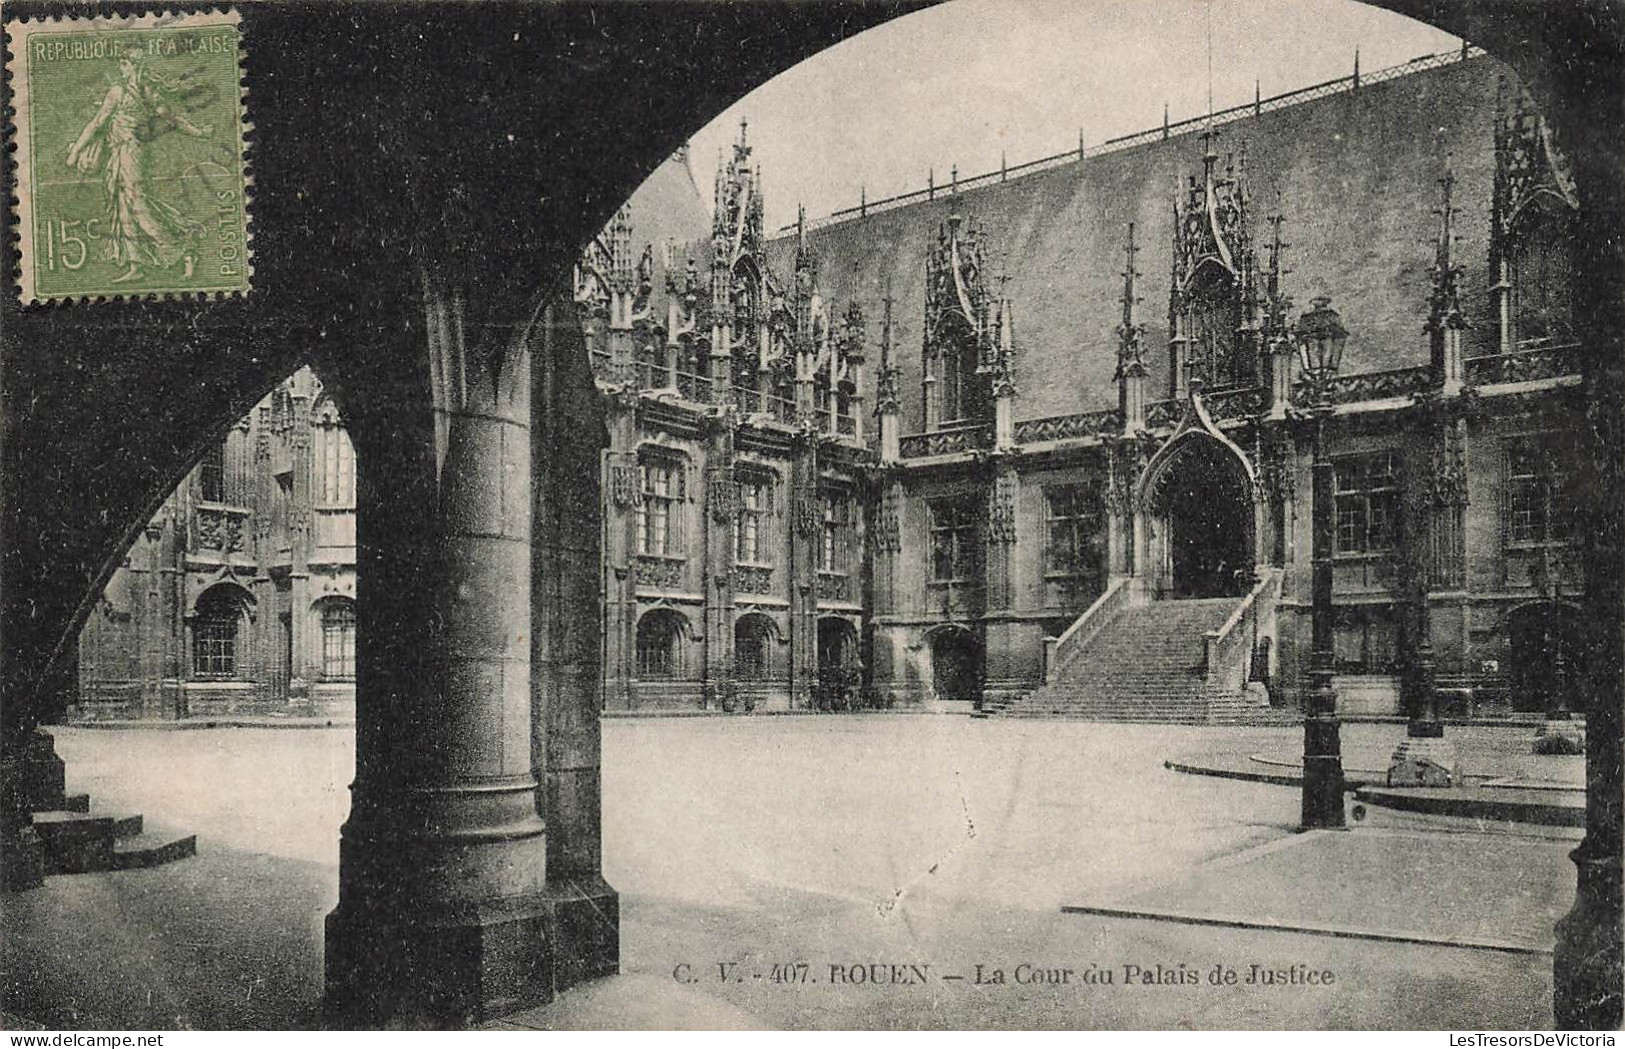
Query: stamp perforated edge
x,y
19,211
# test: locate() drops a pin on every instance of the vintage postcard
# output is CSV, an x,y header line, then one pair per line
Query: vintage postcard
x,y
129,145
988,515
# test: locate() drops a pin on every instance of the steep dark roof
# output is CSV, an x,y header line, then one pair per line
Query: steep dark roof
x,y
1356,173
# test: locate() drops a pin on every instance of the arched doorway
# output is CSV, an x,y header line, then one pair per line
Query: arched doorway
x,y
1544,648
1199,520
956,665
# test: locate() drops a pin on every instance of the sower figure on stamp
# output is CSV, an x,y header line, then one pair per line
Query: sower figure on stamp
x,y
140,106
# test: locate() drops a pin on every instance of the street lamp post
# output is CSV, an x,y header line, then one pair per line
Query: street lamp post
x,y
1320,336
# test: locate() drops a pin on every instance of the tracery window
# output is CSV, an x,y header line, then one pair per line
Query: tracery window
x,y
1073,514
1213,317
1539,507
1543,281
338,640
211,474
1367,494
659,517
835,538
957,391
214,634
334,460
955,540
752,535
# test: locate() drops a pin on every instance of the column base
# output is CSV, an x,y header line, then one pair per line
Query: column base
x,y
389,968
1425,761
1587,961
396,967
44,774
584,931
22,860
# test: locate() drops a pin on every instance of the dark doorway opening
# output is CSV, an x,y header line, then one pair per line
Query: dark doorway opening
x,y
1545,648
956,665
840,673
1208,503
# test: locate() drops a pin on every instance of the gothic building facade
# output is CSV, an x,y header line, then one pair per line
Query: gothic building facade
x,y
1035,442
238,597
950,449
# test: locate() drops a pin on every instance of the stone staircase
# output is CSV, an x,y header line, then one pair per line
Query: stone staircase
x,y
1145,665
78,839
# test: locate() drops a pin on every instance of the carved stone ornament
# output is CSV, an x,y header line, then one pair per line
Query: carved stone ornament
x,y
809,514
1001,511
657,573
624,488
753,579
722,496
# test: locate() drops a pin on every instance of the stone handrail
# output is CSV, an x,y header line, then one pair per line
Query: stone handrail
x,y
1548,360
1059,650
1241,626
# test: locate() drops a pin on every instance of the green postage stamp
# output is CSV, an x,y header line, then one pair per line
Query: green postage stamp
x,y
129,148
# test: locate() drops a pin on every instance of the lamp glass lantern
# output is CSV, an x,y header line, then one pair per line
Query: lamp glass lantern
x,y
1320,336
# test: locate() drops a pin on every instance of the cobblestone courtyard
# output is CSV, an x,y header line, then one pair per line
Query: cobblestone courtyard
x,y
840,842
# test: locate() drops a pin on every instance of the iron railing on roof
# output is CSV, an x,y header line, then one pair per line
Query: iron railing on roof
x,y
1259,106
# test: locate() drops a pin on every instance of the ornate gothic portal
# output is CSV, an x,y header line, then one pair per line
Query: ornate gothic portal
x,y
1198,521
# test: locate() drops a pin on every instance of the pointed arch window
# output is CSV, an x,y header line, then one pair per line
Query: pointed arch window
x,y
1213,317
1543,276
211,474
660,636
334,460
957,390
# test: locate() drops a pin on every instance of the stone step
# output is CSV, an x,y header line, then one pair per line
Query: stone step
x,y
75,842
80,842
151,849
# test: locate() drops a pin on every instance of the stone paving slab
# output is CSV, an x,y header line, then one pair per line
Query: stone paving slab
x,y
1471,890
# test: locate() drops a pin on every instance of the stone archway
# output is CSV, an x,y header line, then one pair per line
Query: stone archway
x,y
1568,53
1202,508
1196,519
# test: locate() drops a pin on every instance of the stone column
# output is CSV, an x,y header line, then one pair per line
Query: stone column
x,y
442,910
1589,955
806,526
721,510
1002,675
146,598
624,491
583,929
301,538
